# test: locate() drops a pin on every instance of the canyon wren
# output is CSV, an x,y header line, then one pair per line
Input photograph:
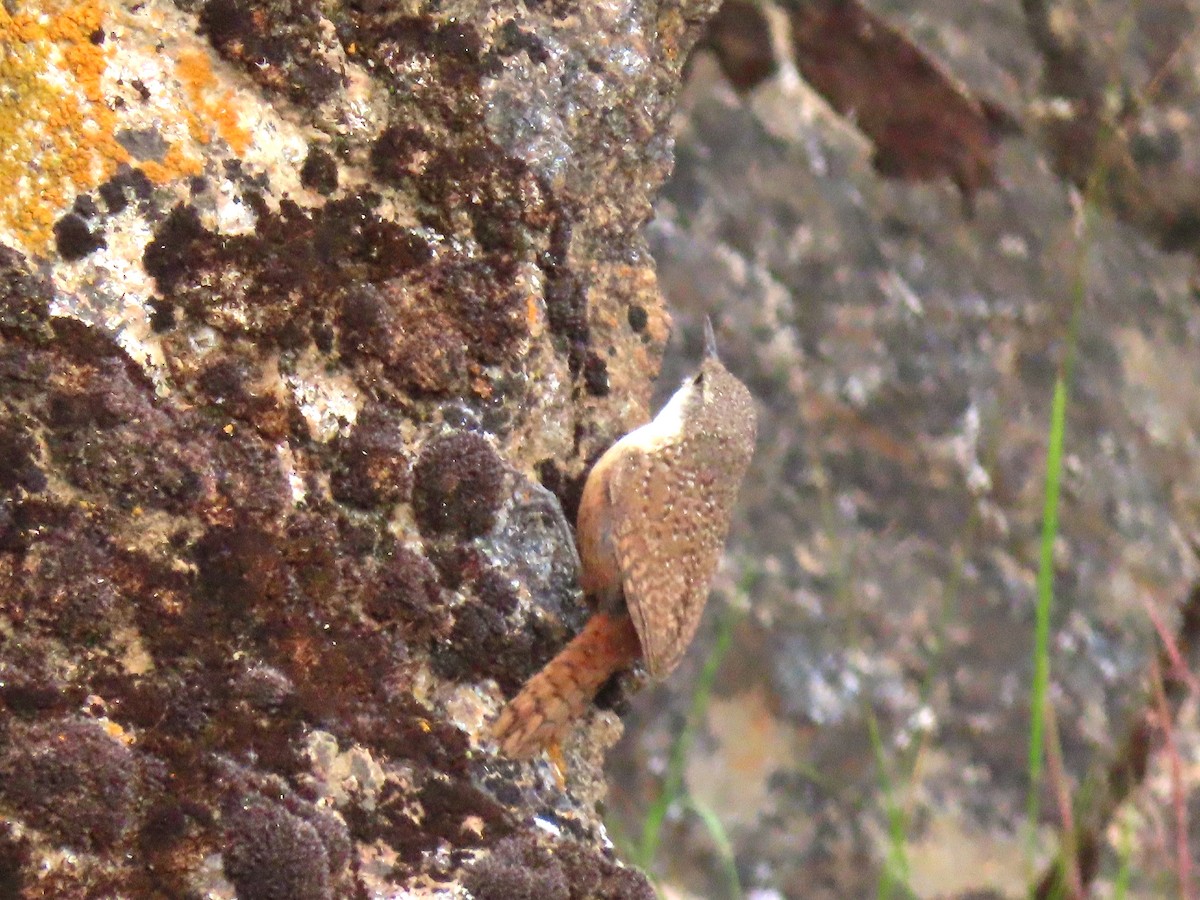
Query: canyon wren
x,y
651,527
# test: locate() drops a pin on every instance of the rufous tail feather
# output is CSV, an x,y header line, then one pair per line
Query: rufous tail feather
x,y
558,695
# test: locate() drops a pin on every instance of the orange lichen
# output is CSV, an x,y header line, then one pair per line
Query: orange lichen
x,y
196,74
533,316
56,130
175,163
57,125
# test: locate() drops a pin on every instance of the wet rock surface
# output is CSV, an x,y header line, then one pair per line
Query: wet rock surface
x,y
904,355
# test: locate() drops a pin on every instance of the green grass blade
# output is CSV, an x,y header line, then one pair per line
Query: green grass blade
x,y
1045,578
1125,867
716,831
673,783
1045,600
895,868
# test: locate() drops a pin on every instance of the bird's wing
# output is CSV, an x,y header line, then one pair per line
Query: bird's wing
x,y
669,527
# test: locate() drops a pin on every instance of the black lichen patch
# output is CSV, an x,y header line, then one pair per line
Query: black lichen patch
x,y
521,867
240,568
484,644
638,318
24,296
334,834
67,590
85,206
457,486
85,344
496,591
408,730
74,238
168,257
566,313
424,353
70,409
272,739
264,688
175,712
109,434
452,55
271,854
408,591
226,379
278,44
506,204
350,237
344,674
165,824
342,278
514,39
566,301
311,552
162,316
71,780
596,877
595,375
128,182
319,172
485,305
278,278
23,521
456,564
14,858
248,474
487,642
397,154
27,688
269,802
447,804
432,328
18,458
373,469
232,382
58,580
517,869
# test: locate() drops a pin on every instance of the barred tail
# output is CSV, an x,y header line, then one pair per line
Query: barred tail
x,y
558,695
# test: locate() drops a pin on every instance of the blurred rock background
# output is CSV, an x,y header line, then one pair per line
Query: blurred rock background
x,y
905,219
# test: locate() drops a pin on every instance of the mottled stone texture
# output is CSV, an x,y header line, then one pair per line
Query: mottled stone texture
x,y
905,355
313,315
288,421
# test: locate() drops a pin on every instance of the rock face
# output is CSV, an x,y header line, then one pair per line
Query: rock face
x,y
311,318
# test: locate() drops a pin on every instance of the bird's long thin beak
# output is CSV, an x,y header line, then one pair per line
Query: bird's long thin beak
x,y
710,339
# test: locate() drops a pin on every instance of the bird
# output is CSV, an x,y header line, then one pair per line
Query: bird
x,y
651,527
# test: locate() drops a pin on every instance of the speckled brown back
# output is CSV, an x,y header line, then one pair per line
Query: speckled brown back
x,y
671,506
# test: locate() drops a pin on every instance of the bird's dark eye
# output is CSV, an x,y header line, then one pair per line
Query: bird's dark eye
x,y
699,379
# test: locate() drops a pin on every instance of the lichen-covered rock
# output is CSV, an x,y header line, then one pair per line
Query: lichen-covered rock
x,y
71,780
270,854
459,481
527,868
298,306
